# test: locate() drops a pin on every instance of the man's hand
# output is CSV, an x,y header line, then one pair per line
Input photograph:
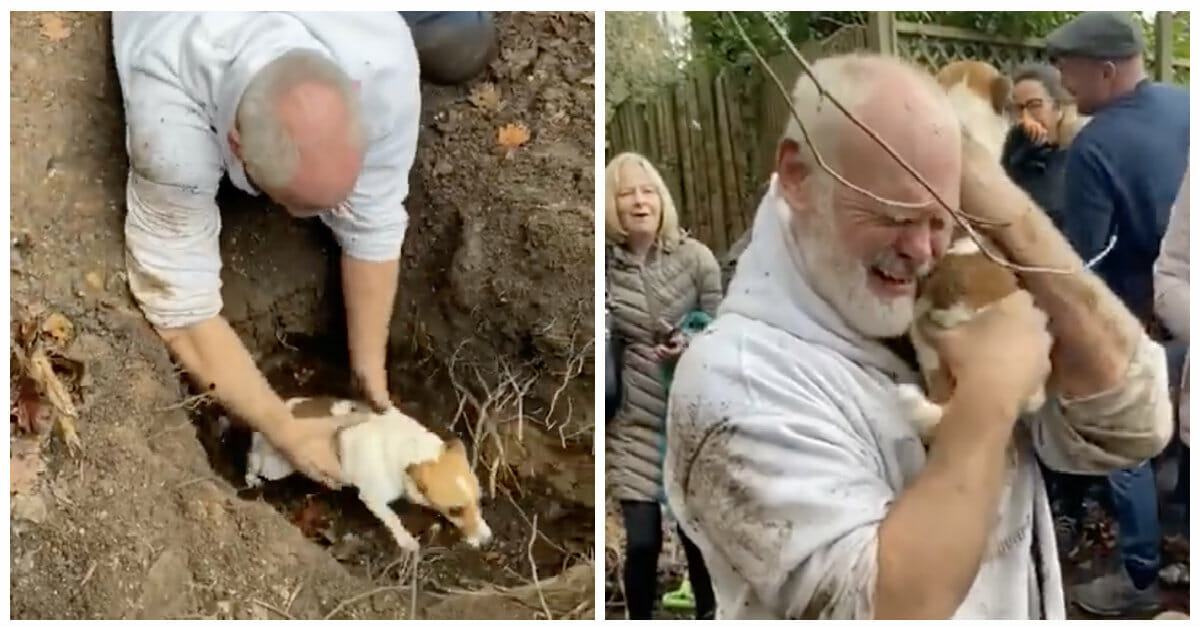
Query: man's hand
x,y
1002,354
218,363
311,446
932,541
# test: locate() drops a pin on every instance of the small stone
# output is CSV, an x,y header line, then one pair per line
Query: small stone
x,y
93,279
29,508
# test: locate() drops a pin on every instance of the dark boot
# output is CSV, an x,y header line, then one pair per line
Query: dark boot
x,y
452,46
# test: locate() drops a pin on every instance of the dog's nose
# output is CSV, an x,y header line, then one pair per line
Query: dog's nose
x,y
481,537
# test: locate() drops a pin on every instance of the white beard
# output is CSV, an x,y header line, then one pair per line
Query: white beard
x,y
842,280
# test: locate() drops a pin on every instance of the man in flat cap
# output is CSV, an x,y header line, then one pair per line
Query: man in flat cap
x,y
1123,172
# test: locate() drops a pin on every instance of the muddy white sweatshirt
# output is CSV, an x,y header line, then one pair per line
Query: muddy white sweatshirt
x,y
786,449
182,76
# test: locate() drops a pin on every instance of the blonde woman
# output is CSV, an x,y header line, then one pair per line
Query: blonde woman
x,y
656,276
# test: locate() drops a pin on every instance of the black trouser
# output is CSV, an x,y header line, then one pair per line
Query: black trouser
x,y
643,543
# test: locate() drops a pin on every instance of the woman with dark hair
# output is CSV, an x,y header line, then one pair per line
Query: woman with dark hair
x,y
1035,152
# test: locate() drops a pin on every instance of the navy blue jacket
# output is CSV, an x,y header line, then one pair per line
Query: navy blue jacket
x,y
1123,173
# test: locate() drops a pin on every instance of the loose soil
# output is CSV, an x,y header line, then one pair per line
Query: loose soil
x,y
492,341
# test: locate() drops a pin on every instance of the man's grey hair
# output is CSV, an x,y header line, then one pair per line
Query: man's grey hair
x,y
851,80
268,150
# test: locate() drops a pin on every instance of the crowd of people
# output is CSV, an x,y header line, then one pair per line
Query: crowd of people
x,y
775,441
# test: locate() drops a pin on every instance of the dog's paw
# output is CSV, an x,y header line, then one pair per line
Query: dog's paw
x,y
921,413
406,541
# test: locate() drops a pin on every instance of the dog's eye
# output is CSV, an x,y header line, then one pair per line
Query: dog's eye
x,y
455,512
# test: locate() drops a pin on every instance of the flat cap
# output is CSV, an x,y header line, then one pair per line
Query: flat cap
x,y
1097,35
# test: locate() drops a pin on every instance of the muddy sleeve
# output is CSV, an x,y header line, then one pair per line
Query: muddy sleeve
x,y
1111,430
1171,270
374,227
709,277
172,223
793,505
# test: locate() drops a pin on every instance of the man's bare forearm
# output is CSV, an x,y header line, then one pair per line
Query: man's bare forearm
x,y
932,541
219,364
1095,335
370,291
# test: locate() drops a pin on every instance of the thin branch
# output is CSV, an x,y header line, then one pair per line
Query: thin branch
x,y
533,570
273,609
363,595
959,217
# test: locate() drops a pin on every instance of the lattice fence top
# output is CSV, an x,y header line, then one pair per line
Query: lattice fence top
x,y
934,46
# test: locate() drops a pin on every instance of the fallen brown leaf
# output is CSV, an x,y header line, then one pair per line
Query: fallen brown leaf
x,y
58,328
25,464
485,96
513,135
31,415
53,27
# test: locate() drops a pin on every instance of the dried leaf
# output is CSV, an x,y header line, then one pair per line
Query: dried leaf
x,y
59,328
53,27
31,415
311,518
25,465
24,335
41,371
485,96
513,135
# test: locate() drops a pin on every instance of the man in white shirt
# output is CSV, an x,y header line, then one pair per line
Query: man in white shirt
x,y
790,461
319,112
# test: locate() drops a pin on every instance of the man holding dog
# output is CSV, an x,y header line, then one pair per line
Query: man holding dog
x,y
319,112
790,463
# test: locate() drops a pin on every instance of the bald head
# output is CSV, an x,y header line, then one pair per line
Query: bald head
x,y
903,105
299,133
865,250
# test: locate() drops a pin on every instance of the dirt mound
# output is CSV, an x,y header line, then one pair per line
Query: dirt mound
x,y
147,519
501,289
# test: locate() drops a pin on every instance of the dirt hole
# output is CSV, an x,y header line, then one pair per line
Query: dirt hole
x,y
337,520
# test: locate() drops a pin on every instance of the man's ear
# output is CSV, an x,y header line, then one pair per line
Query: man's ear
x,y
794,175
235,143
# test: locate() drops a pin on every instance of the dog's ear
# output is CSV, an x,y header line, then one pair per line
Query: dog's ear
x,y
455,445
416,472
1001,93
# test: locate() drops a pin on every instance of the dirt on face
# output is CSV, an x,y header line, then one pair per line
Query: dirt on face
x,y
148,518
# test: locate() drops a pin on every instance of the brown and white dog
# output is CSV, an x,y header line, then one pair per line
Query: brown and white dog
x,y
964,283
388,456
981,96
